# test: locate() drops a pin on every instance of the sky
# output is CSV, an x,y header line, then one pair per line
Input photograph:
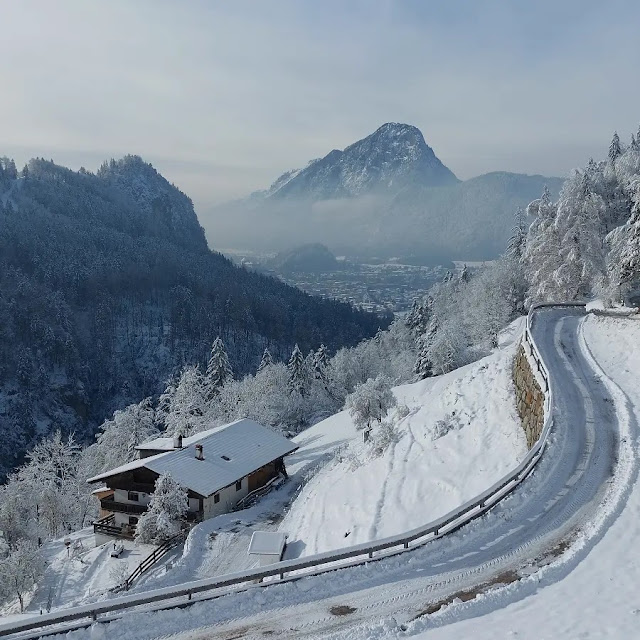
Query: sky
x,y
222,97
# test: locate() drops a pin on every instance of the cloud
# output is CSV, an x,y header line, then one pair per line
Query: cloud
x,y
223,97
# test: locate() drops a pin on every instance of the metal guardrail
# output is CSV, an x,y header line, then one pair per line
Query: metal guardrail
x,y
364,552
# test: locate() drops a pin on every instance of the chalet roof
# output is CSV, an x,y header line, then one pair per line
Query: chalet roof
x,y
245,445
267,543
167,444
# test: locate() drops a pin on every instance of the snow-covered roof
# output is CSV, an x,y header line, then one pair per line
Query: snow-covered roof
x,y
267,543
95,492
167,444
245,445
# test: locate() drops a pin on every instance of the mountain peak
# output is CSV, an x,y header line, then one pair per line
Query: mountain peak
x,y
156,197
393,157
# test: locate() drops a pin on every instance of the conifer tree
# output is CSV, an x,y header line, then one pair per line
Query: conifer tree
x,y
615,151
515,246
218,369
297,373
167,509
320,362
266,360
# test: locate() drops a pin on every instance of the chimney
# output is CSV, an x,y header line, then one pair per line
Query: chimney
x,y
199,453
177,441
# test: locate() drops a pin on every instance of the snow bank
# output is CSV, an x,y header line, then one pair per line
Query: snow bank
x,y
460,434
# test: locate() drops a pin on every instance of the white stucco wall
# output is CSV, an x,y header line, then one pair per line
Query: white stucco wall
x,y
228,498
123,518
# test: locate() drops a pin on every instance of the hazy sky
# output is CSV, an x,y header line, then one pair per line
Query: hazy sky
x,y
222,97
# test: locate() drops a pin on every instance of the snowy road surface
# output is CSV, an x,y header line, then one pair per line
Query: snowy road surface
x,y
529,530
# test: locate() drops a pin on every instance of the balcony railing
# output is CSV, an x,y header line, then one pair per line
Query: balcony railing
x,y
122,507
106,526
137,509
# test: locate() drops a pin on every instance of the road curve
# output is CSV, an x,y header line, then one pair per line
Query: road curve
x,y
561,496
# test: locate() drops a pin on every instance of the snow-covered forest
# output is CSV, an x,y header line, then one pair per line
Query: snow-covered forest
x,y
584,245
107,288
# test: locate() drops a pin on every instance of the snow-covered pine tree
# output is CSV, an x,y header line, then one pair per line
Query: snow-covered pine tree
x,y
297,372
418,318
165,515
615,150
321,362
423,367
518,237
219,370
542,248
187,403
266,360
580,228
623,260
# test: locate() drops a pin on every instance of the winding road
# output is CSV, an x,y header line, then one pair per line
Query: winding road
x,y
527,530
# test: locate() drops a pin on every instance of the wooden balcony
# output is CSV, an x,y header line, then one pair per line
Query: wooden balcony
x,y
122,507
106,526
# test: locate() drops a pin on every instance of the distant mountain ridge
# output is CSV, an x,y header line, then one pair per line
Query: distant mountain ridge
x,y
391,158
387,195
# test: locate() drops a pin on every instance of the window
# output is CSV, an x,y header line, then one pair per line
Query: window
x,y
238,485
133,496
216,498
133,521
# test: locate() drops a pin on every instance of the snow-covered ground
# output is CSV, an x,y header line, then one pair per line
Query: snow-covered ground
x,y
87,573
600,597
527,565
82,573
461,434
421,476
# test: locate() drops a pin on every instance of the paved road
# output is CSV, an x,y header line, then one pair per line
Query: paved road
x,y
525,531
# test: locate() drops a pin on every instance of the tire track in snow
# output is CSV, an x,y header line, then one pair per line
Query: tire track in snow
x,y
373,529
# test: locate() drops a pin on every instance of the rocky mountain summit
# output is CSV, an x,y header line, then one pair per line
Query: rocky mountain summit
x,y
393,157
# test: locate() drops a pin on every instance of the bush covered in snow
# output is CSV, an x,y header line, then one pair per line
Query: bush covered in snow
x,y
371,401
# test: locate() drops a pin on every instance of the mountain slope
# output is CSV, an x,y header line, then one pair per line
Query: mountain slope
x,y
107,287
386,195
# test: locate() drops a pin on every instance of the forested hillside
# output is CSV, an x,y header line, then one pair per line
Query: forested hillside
x,y
107,288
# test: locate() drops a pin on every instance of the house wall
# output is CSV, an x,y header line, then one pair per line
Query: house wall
x,y
120,495
228,499
261,476
121,519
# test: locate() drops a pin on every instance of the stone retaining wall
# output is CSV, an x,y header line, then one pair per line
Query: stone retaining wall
x,y
529,397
